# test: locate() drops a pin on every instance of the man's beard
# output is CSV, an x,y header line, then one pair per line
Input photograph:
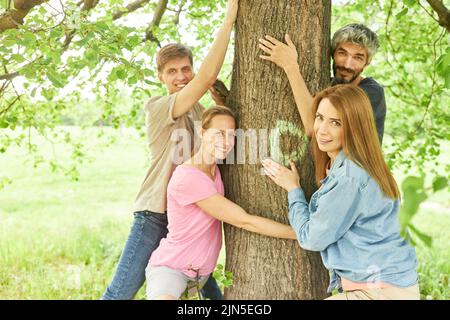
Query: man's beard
x,y
337,80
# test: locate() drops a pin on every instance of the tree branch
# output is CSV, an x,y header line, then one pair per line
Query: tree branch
x,y
442,12
130,8
9,76
176,20
87,6
14,17
159,12
2,112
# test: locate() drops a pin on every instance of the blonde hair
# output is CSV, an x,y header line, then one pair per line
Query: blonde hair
x,y
360,139
214,111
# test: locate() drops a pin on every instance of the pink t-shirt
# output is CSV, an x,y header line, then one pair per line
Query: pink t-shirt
x,y
195,238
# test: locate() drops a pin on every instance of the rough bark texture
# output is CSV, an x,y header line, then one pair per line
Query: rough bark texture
x,y
263,267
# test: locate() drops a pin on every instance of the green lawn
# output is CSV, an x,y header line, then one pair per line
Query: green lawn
x,y
61,239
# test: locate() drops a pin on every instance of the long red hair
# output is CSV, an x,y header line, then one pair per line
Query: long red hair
x,y
360,140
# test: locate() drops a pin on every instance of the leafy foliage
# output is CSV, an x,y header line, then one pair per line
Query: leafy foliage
x,y
72,65
413,65
64,58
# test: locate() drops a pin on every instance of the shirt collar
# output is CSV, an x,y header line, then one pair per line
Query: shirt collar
x,y
336,164
339,160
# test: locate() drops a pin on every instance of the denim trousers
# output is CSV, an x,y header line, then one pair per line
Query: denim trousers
x,y
146,232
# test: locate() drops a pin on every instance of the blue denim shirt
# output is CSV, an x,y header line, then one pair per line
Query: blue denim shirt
x,y
355,228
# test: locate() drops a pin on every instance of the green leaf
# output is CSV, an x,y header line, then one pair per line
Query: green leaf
x,y
112,76
409,3
406,234
92,58
56,33
55,57
101,25
48,94
152,83
132,80
133,41
29,39
3,124
439,183
413,182
85,40
401,13
443,67
55,79
413,196
9,43
447,80
18,57
147,72
426,239
120,73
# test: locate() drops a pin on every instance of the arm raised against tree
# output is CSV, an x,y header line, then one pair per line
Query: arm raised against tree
x,y
210,67
285,56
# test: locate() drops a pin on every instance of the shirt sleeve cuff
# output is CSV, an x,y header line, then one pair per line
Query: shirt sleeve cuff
x,y
296,195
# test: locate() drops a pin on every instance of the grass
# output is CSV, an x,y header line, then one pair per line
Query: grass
x,y
61,239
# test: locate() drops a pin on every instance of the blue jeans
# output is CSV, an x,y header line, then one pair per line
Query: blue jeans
x,y
146,232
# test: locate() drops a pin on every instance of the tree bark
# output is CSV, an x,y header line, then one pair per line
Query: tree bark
x,y
442,12
263,267
14,17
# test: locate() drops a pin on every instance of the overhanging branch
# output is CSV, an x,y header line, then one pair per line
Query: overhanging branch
x,y
133,6
14,17
159,12
87,6
442,12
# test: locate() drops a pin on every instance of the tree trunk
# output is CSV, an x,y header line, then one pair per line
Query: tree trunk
x,y
263,267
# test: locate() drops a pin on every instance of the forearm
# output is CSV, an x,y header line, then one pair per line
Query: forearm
x,y
302,97
298,210
212,63
299,218
229,212
269,228
206,75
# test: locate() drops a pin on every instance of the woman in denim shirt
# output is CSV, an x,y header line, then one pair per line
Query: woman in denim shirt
x,y
352,218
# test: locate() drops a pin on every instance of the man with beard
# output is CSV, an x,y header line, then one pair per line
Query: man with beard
x,y
352,49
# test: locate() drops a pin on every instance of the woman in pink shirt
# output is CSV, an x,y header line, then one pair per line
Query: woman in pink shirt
x,y
196,206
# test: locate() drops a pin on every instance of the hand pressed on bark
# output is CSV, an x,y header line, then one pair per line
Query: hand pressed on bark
x,y
219,92
282,176
283,55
